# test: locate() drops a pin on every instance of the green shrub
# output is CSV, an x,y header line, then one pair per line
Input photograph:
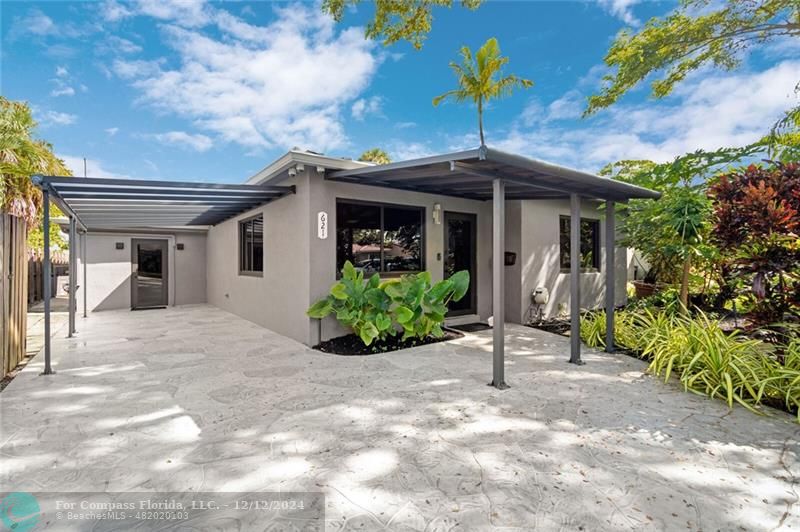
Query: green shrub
x,y
376,310
706,359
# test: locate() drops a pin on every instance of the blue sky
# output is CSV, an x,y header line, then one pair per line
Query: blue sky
x,y
215,91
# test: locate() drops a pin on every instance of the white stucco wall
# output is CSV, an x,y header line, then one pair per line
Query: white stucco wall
x,y
108,275
532,231
278,299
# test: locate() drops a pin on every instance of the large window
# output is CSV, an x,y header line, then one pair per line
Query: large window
x,y
379,238
590,243
251,246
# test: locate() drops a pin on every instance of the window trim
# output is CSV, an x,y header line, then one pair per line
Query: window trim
x,y
250,273
367,203
598,245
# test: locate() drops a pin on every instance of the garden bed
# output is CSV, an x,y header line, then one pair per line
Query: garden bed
x,y
351,344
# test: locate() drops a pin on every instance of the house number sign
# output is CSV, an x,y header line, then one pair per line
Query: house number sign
x,y
322,225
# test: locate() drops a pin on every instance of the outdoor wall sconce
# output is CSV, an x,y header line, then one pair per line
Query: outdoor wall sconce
x,y
120,245
510,258
179,245
437,213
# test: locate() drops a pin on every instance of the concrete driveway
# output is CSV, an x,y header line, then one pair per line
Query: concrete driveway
x,y
194,398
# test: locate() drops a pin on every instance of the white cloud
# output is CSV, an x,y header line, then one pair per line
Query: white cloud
x,y
569,106
62,83
278,85
38,25
35,22
188,13
187,140
622,9
364,107
47,118
405,125
112,131
402,150
120,45
63,91
94,168
711,112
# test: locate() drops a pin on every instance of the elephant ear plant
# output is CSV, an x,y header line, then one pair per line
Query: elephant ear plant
x,y
376,310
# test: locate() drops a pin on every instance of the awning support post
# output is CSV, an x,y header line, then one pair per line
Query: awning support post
x,y
46,273
575,279
611,266
83,261
498,283
73,262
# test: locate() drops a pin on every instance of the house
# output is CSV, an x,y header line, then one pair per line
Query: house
x,y
267,249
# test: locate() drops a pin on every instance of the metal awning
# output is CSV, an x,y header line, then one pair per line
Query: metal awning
x,y
469,174
99,203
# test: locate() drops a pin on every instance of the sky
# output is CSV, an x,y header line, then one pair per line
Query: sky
x,y
215,91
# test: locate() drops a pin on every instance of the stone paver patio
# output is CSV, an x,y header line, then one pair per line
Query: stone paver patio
x,y
194,398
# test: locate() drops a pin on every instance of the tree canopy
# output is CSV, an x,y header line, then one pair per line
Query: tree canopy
x,y
21,156
481,79
393,21
698,34
375,155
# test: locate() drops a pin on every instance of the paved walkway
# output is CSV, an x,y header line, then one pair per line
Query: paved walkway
x,y
194,398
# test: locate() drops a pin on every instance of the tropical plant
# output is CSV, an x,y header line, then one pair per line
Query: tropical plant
x,y
672,233
377,310
757,218
706,359
698,34
21,156
408,20
481,79
375,155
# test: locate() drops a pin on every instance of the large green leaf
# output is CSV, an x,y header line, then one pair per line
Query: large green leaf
x,y
368,333
404,314
383,322
339,291
348,271
460,282
320,309
440,290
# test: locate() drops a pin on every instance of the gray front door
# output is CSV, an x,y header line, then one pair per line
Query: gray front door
x,y
149,279
460,231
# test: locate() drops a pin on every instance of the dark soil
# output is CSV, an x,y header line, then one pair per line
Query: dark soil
x,y
472,327
351,345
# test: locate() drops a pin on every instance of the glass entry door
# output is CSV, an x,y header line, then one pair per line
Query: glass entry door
x,y
149,277
460,254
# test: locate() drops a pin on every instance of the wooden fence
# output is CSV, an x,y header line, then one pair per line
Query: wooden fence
x,y
60,266
13,290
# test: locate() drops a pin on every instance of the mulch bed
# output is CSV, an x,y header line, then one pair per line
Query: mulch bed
x,y
552,325
351,345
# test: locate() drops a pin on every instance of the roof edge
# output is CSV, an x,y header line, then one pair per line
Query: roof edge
x,y
292,157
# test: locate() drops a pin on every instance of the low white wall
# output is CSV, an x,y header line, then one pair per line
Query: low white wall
x,y
108,274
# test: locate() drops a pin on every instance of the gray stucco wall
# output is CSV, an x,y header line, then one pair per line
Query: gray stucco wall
x,y
323,252
278,299
109,269
535,226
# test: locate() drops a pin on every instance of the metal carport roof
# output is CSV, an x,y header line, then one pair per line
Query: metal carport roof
x,y
113,203
470,173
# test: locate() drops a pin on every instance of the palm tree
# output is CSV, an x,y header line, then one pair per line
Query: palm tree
x,y
20,157
481,79
375,155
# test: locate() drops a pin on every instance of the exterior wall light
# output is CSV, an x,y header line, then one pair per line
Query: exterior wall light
x,y
437,213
